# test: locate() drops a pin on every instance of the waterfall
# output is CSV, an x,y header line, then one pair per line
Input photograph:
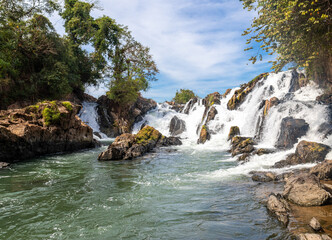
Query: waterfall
x,y
300,104
88,115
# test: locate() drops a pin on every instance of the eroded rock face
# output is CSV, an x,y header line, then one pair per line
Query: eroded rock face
x,y
204,135
44,128
305,190
177,126
130,146
291,130
190,104
115,120
306,152
277,205
270,103
323,170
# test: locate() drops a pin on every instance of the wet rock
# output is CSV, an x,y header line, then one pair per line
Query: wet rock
x,y
240,95
211,115
233,131
44,128
291,130
325,129
277,205
212,98
4,165
242,145
262,151
228,91
294,83
177,126
305,190
323,170
97,134
313,236
114,119
244,157
176,106
190,105
263,176
204,135
325,98
314,224
270,103
129,146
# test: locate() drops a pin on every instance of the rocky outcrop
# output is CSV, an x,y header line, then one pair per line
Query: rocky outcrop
x,y
240,95
241,145
115,120
228,91
190,105
270,103
130,146
44,128
298,81
323,170
204,135
306,152
312,236
233,131
291,130
177,126
325,98
175,106
277,205
263,176
305,190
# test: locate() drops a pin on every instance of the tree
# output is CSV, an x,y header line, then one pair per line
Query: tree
x,y
299,31
132,70
183,96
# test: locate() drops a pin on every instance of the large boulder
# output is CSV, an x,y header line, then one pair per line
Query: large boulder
x,y
270,103
204,135
115,119
233,131
211,115
306,152
323,170
305,190
242,145
277,205
130,146
291,130
44,128
177,126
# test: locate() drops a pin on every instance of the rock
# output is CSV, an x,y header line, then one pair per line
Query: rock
x,y
262,151
176,106
190,105
129,146
97,134
327,187
4,165
313,236
270,103
244,157
114,119
177,126
323,170
204,135
212,98
325,98
263,176
305,190
44,128
242,145
211,114
325,129
314,224
228,91
291,130
294,83
240,95
233,131
277,205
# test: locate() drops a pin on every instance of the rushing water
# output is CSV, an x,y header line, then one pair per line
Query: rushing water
x,y
165,195
188,192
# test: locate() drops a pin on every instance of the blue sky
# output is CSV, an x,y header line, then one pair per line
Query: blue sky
x,y
197,44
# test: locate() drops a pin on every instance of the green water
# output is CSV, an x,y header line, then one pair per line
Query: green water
x,y
165,195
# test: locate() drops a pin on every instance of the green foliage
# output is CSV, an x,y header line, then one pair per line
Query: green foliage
x,y
299,31
183,96
68,106
51,114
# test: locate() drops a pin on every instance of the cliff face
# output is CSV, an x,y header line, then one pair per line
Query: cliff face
x,y
115,120
44,128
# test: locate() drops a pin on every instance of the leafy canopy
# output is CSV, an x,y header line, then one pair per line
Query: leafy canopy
x,y
183,96
299,31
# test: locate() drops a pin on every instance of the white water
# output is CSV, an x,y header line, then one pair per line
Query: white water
x,y
300,104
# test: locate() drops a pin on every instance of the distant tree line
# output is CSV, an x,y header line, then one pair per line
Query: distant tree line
x,y
37,63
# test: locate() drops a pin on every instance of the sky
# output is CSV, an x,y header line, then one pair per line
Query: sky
x,y
196,44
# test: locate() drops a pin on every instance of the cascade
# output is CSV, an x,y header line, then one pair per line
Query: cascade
x,y
88,115
300,104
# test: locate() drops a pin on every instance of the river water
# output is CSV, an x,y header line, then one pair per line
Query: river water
x,y
169,194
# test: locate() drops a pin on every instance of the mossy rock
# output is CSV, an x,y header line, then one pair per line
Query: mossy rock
x,y
147,134
68,106
234,130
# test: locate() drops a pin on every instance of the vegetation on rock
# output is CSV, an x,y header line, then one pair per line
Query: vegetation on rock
x,y
147,134
183,96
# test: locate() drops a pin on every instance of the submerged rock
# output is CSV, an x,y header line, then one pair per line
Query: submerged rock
x,y
277,205
129,146
291,130
44,128
177,126
305,190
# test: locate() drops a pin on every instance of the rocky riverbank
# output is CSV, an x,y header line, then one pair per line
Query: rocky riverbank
x,y
43,128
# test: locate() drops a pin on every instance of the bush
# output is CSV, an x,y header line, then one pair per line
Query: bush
x,y
183,96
